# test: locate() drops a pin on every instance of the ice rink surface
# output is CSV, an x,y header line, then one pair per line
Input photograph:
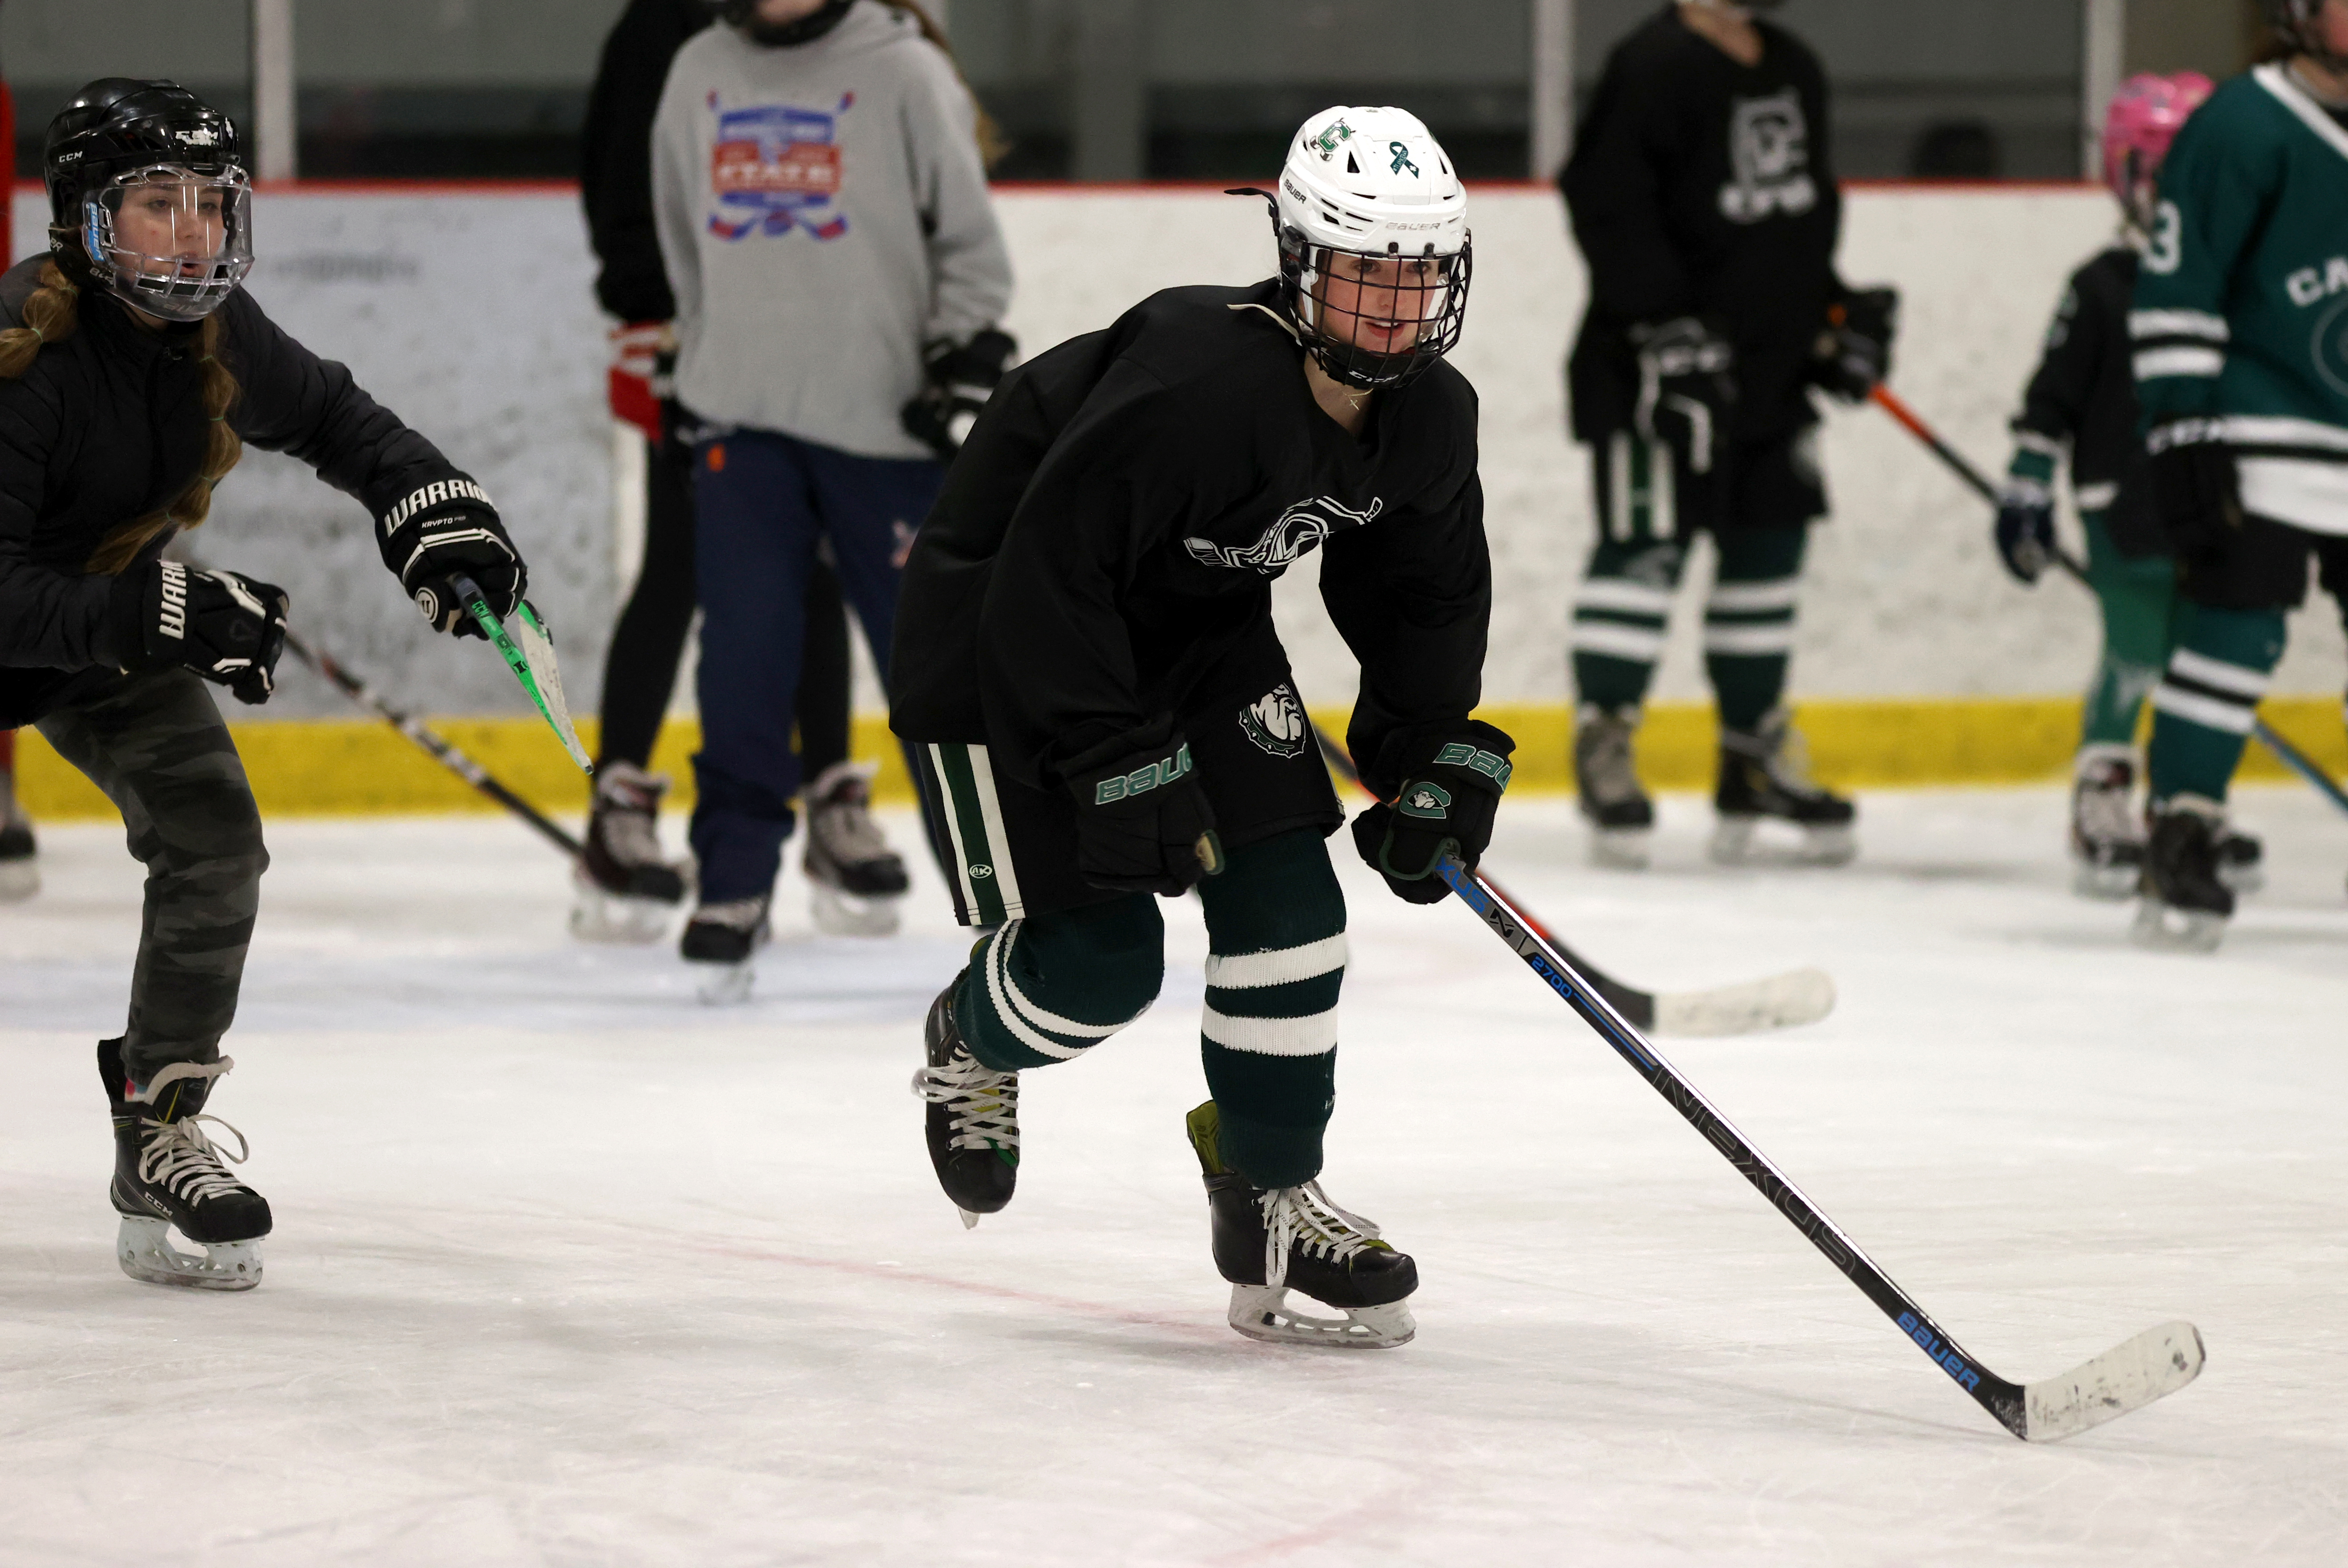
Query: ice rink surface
x,y
570,1270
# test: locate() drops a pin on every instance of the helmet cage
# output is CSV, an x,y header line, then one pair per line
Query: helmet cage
x,y
172,286
1429,291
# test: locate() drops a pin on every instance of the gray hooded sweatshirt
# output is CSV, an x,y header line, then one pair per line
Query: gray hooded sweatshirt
x,y
823,214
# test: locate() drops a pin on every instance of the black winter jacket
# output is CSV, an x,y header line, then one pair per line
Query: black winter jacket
x,y
2084,395
615,154
109,425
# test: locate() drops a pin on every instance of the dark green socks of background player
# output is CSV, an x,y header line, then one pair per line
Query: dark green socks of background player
x,y
1048,988
2207,698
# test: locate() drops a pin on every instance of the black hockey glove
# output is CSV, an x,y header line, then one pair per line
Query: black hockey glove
x,y
225,626
1143,825
2025,528
445,530
1687,384
2196,489
961,379
1452,780
1854,349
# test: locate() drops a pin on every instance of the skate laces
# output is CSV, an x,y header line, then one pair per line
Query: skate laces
x,y
179,1157
1304,1217
984,1102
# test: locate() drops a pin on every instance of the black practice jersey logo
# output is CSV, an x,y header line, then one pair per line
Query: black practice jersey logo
x,y
1298,533
1768,159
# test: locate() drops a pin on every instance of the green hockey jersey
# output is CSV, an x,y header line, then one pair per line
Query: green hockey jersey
x,y
2240,315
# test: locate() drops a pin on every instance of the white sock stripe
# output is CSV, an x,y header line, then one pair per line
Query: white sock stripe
x,y
997,947
1777,593
998,842
2178,323
1042,1017
2094,497
2206,711
1312,1035
2307,493
1634,643
2153,363
1623,593
2207,671
1279,967
1772,639
2032,441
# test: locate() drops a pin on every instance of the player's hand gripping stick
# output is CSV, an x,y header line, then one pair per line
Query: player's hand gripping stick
x,y
530,657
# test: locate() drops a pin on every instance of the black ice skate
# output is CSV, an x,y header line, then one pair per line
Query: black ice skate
x,y
2241,862
972,1121
1766,774
2106,833
1270,1241
20,865
2184,903
854,878
1622,818
168,1175
626,891
719,940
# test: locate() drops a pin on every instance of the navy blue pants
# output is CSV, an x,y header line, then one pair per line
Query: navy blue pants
x,y
761,503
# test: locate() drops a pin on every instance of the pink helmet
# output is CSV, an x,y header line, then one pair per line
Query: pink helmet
x,y
2145,115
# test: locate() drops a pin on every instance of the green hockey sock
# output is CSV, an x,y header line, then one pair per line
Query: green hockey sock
x,y
2208,697
1749,620
1276,960
2138,600
1619,620
1048,988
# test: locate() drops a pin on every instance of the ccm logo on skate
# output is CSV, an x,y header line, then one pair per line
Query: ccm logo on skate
x,y
1143,779
1950,1362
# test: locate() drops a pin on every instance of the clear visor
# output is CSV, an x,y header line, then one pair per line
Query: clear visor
x,y
172,242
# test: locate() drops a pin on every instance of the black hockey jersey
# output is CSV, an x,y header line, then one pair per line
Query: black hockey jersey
x,y
2082,395
1102,556
1702,187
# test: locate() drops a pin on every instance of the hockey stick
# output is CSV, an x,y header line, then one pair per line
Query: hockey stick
x,y
1780,1001
447,755
2131,1375
2292,756
528,652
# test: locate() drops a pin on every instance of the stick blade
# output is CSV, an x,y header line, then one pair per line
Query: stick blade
x,y
1781,1002
537,646
2128,1377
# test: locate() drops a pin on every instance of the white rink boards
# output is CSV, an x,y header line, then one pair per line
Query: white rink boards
x,y
570,1270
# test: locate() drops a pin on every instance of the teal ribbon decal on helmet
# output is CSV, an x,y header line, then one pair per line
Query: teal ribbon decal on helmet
x,y
1401,150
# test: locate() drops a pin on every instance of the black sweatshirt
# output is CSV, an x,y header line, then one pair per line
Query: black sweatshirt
x,y
615,154
109,426
2083,392
1101,560
1702,187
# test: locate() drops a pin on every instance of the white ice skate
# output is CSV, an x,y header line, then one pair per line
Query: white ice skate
x,y
2106,833
855,880
625,890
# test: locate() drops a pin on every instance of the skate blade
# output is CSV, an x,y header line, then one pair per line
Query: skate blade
x,y
1621,849
143,1247
2166,930
19,879
2237,878
608,917
725,984
1733,845
1262,1312
2105,884
839,913
969,1220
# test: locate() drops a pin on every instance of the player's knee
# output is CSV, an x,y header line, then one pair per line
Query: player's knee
x,y
1049,989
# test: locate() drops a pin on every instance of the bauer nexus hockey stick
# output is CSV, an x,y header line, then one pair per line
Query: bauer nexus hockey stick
x,y
2129,1376
528,652
2292,756
1780,1001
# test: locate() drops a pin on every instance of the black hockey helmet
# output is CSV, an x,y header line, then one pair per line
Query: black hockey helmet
x,y
744,15
158,145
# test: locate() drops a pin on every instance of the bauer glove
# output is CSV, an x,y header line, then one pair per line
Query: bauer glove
x,y
1854,349
2025,528
1143,825
961,379
225,625
447,529
1687,384
1453,777
2196,488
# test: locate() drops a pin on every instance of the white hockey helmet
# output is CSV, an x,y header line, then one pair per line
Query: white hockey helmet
x,y
1372,184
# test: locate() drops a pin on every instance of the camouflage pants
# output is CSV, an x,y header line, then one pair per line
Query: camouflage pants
x,y
156,744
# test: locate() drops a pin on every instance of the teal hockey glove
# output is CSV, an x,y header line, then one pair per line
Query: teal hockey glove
x,y
1452,780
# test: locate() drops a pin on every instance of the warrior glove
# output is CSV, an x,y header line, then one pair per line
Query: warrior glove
x,y
1687,384
2197,490
1143,825
447,530
959,381
223,626
1854,349
1453,777
2025,528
